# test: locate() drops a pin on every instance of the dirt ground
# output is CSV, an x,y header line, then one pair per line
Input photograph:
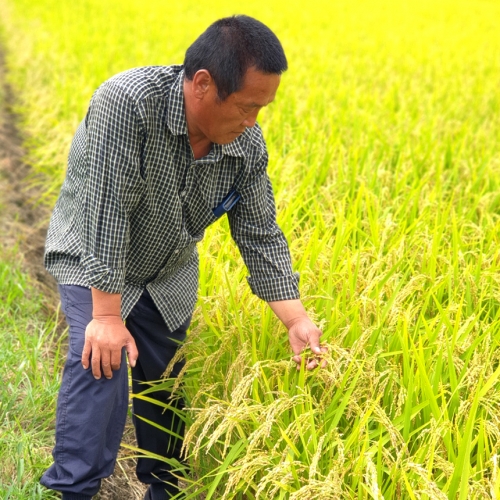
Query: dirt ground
x,y
22,221
23,225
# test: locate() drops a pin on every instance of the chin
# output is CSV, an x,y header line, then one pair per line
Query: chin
x,y
226,140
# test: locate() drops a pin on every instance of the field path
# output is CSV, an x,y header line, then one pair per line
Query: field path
x,y
22,221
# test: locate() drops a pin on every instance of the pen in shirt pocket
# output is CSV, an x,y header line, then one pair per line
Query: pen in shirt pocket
x,y
227,203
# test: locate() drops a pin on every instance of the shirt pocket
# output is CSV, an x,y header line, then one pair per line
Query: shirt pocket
x,y
198,215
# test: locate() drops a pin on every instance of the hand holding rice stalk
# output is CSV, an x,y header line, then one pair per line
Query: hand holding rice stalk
x,y
302,333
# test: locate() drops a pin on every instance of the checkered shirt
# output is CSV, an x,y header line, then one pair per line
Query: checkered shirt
x,y
135,201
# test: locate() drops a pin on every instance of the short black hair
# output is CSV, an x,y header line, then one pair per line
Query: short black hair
x,y
229,47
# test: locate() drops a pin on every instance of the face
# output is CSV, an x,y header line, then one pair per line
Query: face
x,y
223,121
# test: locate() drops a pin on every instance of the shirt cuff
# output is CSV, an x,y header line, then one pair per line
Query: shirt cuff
x,y
101,276
272,289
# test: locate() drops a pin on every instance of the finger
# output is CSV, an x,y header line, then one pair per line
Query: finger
x,y
87,347
116,359
106,364
132,352
300,362
324,362
311,365
96,363
314,343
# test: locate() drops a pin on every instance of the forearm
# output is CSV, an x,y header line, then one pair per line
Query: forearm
x,y
105,305
289,311
113,186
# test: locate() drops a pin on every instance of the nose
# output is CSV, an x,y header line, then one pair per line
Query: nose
x,y
250,120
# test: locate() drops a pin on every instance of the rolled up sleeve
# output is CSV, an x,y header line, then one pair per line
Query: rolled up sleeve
x,y
260,240
113,186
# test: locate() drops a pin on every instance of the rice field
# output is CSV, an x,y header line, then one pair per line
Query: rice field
x,y
383,144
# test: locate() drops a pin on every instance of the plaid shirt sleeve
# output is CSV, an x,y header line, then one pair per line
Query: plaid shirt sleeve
x,y
260,240
113,186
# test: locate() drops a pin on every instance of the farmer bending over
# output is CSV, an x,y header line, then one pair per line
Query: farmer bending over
x,y
162,153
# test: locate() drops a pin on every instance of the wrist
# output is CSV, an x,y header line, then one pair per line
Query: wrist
x,y
291,322
106,306
290,312
107,318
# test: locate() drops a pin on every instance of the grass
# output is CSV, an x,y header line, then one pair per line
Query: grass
x,y
30,361
384,156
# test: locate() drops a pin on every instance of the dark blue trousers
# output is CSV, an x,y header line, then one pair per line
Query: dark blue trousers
x,y
91,413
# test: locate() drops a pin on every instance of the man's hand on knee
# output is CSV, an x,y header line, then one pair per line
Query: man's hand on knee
x,y
106,336
104,340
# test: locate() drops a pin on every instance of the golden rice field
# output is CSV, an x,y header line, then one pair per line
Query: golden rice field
x,y
384,145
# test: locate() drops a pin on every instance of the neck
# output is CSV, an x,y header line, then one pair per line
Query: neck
x,y
200,144
200,147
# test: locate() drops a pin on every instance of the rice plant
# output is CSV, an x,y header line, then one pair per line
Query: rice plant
x,y
384,157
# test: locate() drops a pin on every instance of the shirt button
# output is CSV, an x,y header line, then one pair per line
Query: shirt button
x,y
176,251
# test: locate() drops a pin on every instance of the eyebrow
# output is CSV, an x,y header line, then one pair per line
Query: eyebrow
x,y
257,105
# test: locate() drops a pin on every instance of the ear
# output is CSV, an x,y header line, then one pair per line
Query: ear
x,y
202,80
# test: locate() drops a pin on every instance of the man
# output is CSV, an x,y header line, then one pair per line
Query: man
x,y
161,154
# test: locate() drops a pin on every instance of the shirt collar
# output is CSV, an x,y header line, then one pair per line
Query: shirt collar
x,y
176,121
176,114
235,148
